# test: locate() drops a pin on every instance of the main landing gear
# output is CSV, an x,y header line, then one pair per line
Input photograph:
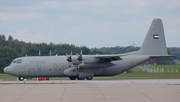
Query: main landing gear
x,y
89,78
72,78
80,78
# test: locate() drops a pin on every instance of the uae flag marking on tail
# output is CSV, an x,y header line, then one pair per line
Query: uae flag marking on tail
x,y
155,36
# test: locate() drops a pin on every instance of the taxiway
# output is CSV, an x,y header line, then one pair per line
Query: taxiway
x,y
154,90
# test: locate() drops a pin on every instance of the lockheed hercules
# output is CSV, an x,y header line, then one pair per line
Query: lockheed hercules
x,y
88,66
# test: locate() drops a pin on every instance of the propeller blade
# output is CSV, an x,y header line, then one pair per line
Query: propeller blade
x,y
71,53
80,56
81,51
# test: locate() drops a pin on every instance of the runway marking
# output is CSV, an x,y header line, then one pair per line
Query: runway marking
x,y
172,89
63,93
102,93
173,84
141,93
25,93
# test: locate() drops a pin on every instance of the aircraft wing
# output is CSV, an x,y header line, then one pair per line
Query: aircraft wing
x,y
108,57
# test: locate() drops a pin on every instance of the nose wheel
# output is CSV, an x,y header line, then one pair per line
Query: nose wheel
x,y
21,78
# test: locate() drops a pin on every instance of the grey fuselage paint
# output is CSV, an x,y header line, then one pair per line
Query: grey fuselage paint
x,y
54,66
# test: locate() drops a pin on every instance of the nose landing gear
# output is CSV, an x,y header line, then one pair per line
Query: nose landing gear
x,y
21,78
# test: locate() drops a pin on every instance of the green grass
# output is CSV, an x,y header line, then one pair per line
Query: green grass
x,y
138,72
167,67
2,75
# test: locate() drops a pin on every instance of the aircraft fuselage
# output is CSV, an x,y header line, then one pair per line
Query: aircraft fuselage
x,y
54,66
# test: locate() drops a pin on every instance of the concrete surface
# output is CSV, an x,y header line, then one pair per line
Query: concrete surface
x,y
175,81
140,91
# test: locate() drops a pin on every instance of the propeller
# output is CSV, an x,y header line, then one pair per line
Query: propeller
x,y
79,56
69,59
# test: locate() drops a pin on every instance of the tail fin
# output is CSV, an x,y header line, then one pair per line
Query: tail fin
x,y
154,43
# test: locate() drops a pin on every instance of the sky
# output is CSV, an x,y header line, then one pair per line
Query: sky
x,y
91,23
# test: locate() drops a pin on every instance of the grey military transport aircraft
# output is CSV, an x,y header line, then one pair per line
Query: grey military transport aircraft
x,y
88,66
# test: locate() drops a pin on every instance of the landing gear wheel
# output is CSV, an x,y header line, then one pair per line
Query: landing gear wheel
x,y
89,78
21,78
72,78
81,78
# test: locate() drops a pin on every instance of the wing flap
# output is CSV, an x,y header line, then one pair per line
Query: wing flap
x,y
108,57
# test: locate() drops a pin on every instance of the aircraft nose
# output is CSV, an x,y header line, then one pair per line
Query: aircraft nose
x,y
7,69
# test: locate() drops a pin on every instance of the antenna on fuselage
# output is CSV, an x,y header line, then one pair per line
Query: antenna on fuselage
x,y
39,52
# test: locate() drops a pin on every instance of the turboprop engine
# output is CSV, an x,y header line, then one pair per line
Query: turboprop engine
x,y
71,71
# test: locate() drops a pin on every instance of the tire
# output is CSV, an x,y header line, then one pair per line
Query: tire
x,y
21,78
89,78
72,78
81,78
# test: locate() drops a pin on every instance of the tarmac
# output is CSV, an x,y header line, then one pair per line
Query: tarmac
x,y
149,90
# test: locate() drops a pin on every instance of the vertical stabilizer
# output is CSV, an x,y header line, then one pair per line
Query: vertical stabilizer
x,y
154,43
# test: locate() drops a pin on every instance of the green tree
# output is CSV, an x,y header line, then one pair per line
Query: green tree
x,y
10,38
4,37
96,52
2,41
7,54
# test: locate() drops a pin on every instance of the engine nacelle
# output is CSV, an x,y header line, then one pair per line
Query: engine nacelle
x,y
72,71
86,60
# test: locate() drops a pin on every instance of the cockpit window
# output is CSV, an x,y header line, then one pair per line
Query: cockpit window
x,y
17,61
14,61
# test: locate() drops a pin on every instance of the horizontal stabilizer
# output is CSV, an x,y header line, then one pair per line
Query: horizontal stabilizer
x,y
157,56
